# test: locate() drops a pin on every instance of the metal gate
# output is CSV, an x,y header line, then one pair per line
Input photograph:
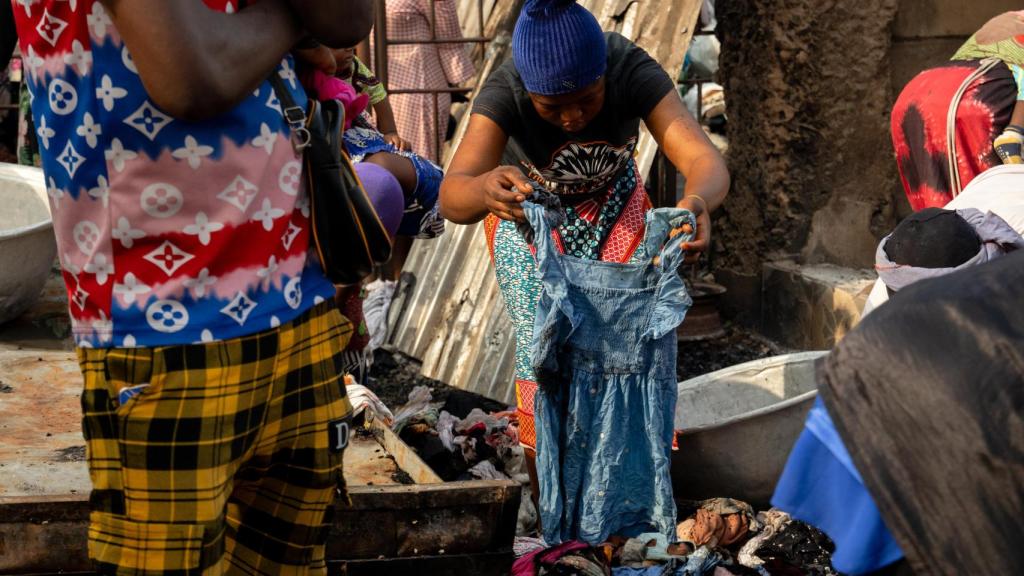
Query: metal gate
x,y
381,42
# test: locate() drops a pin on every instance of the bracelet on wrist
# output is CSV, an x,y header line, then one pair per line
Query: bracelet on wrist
x,y
702,200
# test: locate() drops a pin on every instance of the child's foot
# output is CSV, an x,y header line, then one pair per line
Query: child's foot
x,y
1009,146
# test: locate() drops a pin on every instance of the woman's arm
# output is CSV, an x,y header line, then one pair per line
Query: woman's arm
x,y
196,62
684,143
475,184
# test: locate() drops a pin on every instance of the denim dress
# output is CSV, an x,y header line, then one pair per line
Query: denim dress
x,y
604,352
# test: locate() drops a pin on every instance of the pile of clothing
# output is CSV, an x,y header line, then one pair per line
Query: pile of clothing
x,y
459,440
720,537
366,405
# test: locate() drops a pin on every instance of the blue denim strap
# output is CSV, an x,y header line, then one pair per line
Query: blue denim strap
x,y
549,267
660,223
673,300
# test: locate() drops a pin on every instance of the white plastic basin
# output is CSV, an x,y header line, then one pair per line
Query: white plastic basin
x,y
737,426
27,244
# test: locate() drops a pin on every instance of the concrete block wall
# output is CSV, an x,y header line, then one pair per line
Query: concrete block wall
x,y
812,307
810,87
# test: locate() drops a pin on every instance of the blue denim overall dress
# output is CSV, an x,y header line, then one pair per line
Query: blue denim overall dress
x,y
604,351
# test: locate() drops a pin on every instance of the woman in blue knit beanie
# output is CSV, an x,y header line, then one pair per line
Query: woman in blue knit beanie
x,y
565,115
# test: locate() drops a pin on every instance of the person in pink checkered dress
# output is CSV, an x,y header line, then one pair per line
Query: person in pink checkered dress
x,y
424,66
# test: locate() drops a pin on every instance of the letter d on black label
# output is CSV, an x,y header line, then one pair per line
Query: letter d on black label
x,y
338,432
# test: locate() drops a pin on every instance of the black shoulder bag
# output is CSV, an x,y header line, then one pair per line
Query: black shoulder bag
x,y
348,235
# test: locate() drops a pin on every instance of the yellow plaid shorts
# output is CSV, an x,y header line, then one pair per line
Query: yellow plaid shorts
x,y
229,457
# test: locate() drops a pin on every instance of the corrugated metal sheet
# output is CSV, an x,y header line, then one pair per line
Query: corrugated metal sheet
x,y
452,317
469,15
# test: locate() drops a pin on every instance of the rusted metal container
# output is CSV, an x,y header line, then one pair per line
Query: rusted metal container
x,y
703,321
391,528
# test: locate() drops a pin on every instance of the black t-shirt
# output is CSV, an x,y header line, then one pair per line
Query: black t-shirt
x,y
586,161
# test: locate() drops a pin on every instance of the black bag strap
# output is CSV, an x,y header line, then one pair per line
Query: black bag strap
x,y
294,114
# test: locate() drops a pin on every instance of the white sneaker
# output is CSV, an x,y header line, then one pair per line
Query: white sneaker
x,y
379,295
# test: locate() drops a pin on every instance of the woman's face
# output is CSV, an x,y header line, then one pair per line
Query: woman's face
x,y
344,58
571,112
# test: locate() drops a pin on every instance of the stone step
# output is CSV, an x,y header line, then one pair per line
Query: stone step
x,y
810,307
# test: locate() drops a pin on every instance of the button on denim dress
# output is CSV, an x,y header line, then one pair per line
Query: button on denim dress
x,y
604,351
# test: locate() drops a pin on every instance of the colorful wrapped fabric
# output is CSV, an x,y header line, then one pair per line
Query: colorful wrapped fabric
x,y
919,119
609,228
1001,37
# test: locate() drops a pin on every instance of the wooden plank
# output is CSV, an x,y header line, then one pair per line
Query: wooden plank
x,y
407,458
389,520
43,547
43,534
455,521
367,463
413,520
58,573
485,564
43,508
445,495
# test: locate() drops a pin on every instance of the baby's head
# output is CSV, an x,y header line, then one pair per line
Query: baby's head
x,y
932,238
345,57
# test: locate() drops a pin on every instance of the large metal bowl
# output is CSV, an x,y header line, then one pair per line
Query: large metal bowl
x,y
27,244
736,427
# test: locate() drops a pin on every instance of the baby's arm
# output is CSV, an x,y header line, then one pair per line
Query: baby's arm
x,y
386,124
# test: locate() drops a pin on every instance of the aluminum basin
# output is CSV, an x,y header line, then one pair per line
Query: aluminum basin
x,y
736,427
27,244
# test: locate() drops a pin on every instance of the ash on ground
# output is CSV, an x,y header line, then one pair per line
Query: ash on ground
x,y
739,345
395,374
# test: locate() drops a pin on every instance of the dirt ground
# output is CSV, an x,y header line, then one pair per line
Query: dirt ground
x,y
394,375
737,346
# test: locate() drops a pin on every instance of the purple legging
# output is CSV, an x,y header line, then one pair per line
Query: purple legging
x,y
385,192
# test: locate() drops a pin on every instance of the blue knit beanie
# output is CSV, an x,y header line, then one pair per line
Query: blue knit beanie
x,y
558,47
